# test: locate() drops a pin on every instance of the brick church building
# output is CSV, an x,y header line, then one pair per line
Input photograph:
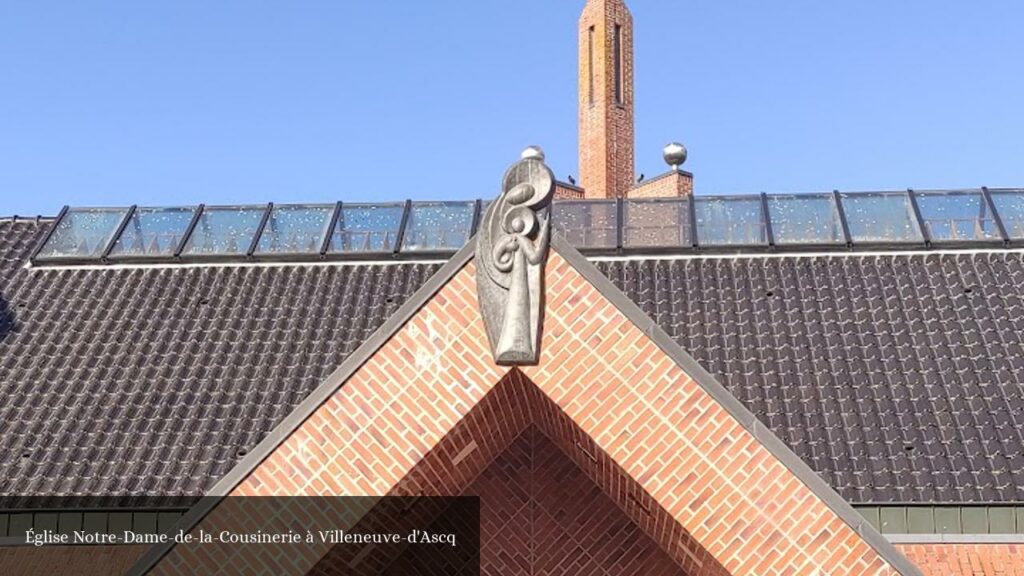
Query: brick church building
x,y
669,384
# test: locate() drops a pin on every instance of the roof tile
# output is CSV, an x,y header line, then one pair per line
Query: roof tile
x,y
898,378
150,380
895,377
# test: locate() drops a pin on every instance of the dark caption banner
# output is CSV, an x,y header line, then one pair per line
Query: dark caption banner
x,y
409,535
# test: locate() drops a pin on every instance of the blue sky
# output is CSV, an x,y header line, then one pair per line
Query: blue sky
x,y
178,102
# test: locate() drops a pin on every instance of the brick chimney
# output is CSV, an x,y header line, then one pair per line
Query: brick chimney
x,y
606,99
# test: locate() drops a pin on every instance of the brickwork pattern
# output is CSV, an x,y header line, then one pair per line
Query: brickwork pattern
x,y
743,506
624,490
512,408
726,499
400,517
966,559
461,456
675,183
606,139
388,417
568,192
77,560
541,514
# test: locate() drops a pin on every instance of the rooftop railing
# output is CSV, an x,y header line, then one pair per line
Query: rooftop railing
x,y
701,224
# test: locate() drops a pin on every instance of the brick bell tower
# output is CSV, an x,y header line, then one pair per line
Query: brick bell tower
x,y
606,139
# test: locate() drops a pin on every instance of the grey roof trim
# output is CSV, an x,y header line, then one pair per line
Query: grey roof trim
x,y
941,504
956,538
296,263
303,411
746,418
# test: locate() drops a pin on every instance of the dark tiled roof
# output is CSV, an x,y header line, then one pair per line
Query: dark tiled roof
x,y
898,378
151,380
881,372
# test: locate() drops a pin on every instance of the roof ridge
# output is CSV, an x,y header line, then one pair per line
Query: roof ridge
x,y
17,219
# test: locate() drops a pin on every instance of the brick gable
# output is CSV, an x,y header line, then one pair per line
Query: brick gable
x,y
696,473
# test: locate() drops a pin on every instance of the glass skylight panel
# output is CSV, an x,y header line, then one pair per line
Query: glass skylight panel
x,y
1010,205
438,226
586,223
153,232
730,220
224,230
82,233
805,219
957,215
366,228
881,217
656,222
295,229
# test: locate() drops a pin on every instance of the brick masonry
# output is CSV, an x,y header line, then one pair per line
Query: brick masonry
x,y
674,183
966,559
716,481
483,442
568,191
606,112
77,560
657,442
543,515
606,139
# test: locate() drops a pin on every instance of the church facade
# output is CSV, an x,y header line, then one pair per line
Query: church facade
x,y
629,395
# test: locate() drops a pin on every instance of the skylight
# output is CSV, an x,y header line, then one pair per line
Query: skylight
x,y
366,228
82,233
225,231
1010,206
730,220
438,225
805,219
834,220
656,223
956,216
295,229
153,232
586,223
881,217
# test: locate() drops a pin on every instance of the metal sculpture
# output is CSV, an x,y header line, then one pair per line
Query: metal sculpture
x,y
511,250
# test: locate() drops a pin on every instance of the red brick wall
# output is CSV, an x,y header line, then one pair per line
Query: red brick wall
x,y
626,491
541,514
563,190
77,560
671,184
966,559
710,484
716,481
606,140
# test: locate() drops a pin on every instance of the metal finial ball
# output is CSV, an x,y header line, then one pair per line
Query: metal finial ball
x,y
674,154
533,152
